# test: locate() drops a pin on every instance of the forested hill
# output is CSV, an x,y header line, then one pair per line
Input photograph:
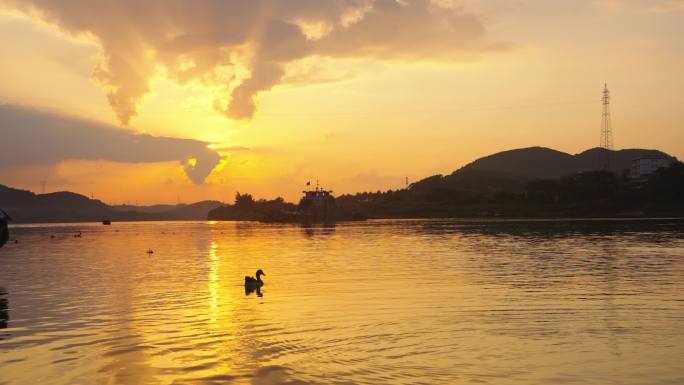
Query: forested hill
x,y
511,170
25,207
545,163
533,182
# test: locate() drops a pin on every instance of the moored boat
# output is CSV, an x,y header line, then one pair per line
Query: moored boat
x,y
317,206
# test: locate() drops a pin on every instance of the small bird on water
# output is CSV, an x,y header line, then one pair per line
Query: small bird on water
x,y
253,283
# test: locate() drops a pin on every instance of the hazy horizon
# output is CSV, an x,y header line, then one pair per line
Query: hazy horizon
x,y
309,184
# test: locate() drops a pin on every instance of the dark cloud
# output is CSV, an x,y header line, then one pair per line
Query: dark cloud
x,y
219,41
30,137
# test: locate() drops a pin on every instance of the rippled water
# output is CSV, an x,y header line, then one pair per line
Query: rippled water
x,y
380,302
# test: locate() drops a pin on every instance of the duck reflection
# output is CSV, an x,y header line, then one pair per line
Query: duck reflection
x,y
252,289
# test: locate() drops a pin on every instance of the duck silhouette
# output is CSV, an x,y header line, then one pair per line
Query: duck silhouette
x,y
255,282
252,284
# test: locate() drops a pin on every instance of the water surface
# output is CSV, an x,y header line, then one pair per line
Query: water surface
x,y
379,302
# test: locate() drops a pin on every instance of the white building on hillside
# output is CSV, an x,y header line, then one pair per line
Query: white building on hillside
x,y
644,167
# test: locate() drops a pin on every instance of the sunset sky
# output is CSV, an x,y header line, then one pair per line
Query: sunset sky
x,y
156,101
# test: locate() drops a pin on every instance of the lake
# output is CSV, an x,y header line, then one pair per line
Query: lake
x,y
377,302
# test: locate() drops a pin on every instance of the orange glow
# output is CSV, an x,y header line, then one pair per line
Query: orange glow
x,y
366,123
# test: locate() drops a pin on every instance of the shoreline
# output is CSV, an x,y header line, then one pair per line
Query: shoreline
x,y
465,220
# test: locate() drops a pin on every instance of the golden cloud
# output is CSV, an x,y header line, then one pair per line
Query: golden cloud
x,y
246,45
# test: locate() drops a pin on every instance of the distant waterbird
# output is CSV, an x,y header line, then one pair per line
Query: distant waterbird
x,y
253,283
78,235
150,251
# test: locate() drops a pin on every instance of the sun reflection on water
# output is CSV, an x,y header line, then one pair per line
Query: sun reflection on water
x,y
213,283
381,302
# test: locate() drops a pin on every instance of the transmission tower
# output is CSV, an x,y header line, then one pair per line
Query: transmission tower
x,y
606,130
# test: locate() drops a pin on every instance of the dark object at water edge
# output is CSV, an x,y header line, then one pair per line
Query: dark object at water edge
x,y
317,206
106,222
4,230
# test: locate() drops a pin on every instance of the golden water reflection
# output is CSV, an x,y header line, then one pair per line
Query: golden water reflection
x,y
398,302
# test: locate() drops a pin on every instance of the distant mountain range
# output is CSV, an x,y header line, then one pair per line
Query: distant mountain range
x,y
511,170
508,171
27,207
